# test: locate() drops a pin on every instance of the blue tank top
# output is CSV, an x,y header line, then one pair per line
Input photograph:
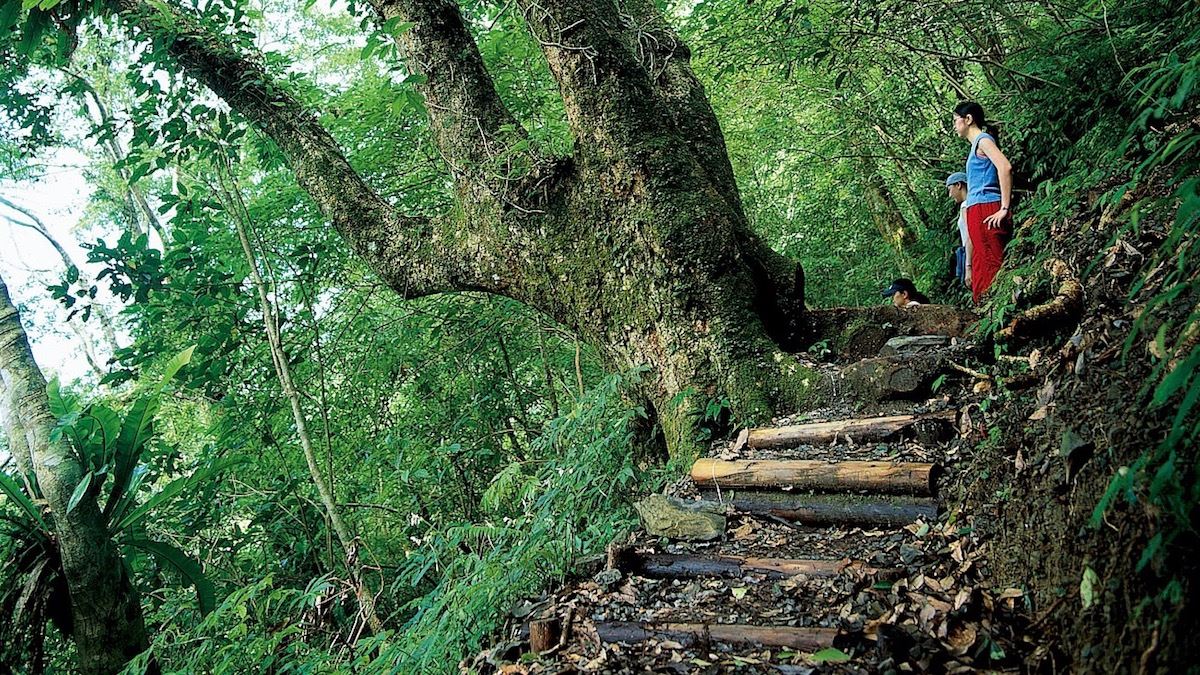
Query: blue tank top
x,y
983,182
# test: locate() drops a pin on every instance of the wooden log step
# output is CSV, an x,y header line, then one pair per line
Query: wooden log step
x,y
859,430
687,634
820,510
687,566
804,474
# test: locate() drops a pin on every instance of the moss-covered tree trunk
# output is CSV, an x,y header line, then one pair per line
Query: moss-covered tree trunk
x,y
106,615
638,242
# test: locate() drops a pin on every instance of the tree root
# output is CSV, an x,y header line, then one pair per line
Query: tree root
x,y
1061,312
860,332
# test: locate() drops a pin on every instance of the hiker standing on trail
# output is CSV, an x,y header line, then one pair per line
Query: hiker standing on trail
x,y
956,187
989,197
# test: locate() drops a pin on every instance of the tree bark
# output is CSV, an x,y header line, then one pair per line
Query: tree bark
x,y
893,377
805,474
872,510
107,615
544,634
1059,314
860,332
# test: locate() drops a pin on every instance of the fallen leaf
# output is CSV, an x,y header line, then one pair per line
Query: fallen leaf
x,y
1087,587
739,593
960,638
1046,394
963,597
745,530
1010,593
829,655
742,438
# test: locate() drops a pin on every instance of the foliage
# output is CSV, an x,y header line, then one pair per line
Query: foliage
x,y
477,448
1161,476
115,449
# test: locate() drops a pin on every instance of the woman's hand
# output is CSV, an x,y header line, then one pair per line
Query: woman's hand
x,y
996,220
967,277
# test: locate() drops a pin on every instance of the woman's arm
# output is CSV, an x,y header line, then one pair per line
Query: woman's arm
x,y
967,266
1004,173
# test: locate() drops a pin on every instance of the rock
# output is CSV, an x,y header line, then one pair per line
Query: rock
x,y
674,518
904,345
607,577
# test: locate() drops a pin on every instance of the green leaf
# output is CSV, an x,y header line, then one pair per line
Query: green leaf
x,y
830,655
1178,376
10,11
172,490
80,491
1087,587
17,494
62,404
185,565
135,431
175,365
164,495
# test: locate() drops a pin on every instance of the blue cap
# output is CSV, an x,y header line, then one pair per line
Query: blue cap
x,y
956,177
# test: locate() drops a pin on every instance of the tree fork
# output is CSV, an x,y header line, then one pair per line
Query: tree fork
x,y
369,224
696,311
779,282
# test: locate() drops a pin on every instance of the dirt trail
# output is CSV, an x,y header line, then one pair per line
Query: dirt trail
x,y
893,578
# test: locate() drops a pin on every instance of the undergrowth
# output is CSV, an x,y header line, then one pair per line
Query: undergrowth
x,y
1142,184
542,514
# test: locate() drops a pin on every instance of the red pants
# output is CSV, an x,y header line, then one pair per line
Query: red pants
x,y
987,246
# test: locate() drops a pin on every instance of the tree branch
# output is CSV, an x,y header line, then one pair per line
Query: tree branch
x,y
611,104
433,258
472,127
668,61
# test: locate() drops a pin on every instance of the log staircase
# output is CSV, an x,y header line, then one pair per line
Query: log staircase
x,y
834,554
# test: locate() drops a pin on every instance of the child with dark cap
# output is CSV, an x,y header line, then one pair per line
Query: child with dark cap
x,y
904,294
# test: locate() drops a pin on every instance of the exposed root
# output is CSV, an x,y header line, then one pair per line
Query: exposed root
x,y
1061,312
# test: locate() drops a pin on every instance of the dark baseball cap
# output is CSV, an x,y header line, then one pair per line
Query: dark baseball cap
x,y
905,285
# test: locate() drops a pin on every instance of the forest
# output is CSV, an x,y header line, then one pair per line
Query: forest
x,y
545,336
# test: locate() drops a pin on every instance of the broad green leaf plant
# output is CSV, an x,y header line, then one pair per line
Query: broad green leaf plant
x,y
113,447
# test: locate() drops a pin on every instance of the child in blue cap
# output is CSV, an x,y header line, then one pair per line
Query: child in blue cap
x,y
956,187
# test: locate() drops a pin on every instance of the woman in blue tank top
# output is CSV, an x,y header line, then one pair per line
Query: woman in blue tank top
x,y
989,194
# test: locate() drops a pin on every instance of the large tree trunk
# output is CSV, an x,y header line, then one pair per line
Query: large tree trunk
x,y
106,614
638,242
